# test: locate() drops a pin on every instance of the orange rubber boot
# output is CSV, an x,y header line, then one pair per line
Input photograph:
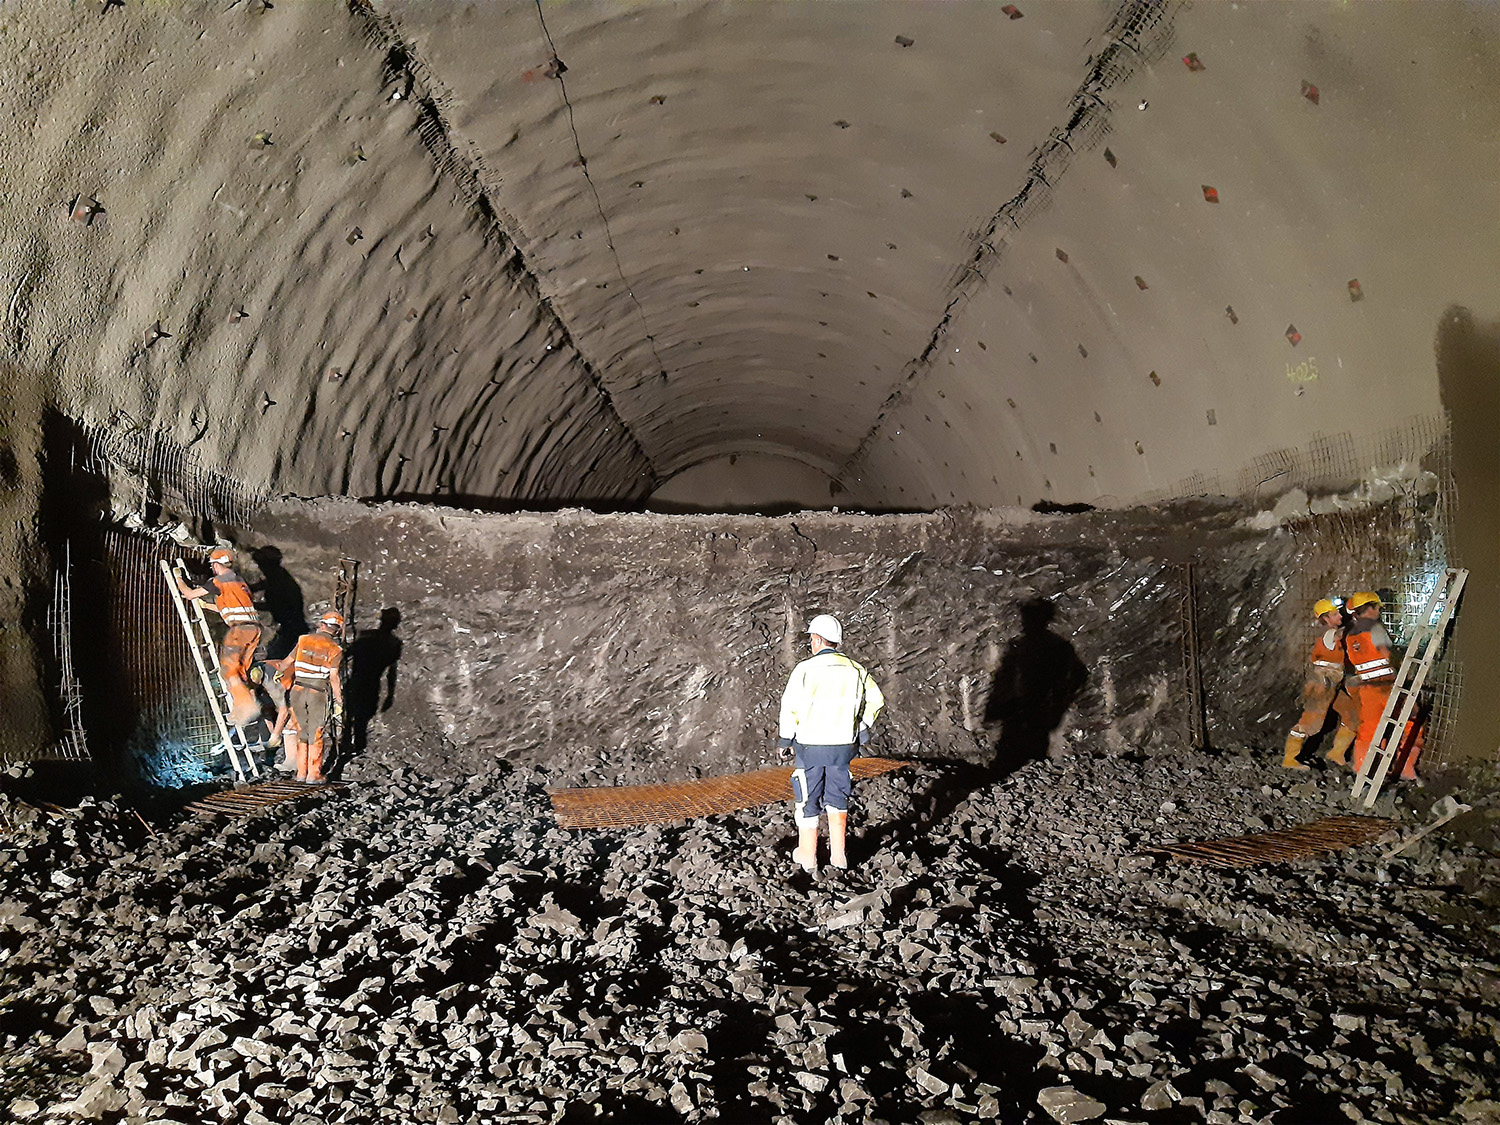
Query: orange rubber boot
x,y
315,760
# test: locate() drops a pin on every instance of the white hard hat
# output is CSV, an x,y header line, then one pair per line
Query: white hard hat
x,y
826,627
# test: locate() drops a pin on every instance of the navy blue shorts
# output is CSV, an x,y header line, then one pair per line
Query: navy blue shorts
x,y
816,788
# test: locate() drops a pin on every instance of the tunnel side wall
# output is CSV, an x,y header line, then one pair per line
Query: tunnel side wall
x,y
26,719
619,648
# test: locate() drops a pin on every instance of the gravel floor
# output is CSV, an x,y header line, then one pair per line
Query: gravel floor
x,y
417,950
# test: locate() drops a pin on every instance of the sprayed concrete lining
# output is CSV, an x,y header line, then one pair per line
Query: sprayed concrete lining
x,y
935,253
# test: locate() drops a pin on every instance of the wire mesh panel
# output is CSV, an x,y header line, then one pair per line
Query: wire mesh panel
x,y
169,734
1330,834
250,799
1400,551
72,745
628,805
164,469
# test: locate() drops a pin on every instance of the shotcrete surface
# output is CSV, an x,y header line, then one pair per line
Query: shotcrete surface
x,y
437,951
559,252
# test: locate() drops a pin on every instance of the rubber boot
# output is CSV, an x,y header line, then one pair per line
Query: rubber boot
x,y
315,761
1293,748
1343,738
289,754
838,827
244,707
1411,746
806,855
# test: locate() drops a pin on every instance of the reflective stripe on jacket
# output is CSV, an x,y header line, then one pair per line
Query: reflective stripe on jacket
x,y
1369,648
829,700
315,659
233,600
1328,650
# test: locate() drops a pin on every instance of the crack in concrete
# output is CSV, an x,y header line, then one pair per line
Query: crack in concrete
x,y
583,163
421,87
1139,31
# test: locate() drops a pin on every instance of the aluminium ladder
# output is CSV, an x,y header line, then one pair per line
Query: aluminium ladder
x,y
1425,645
206,657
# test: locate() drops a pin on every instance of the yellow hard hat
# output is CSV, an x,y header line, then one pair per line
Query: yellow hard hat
x,y
1324,605
1368,597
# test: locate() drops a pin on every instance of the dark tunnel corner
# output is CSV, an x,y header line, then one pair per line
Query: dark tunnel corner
x,y
1468,366
29,725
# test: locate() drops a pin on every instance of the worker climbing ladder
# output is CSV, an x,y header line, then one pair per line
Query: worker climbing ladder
x,y
1423,649
206,657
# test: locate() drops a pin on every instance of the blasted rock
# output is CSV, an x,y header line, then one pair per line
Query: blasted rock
x,y
1066,1104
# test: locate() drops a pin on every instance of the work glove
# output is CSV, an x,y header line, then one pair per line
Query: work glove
x,y
785,750
338,712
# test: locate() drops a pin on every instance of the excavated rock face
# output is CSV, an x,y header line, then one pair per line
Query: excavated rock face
x,y
643,648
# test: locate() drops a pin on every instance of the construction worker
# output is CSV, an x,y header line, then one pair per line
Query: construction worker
x,y
231,601
284,732
315,677
1368,647
1324,688
827,711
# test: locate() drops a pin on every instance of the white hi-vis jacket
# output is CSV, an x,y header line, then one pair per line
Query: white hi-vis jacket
x,y
829,705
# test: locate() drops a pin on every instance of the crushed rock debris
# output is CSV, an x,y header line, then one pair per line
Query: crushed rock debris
x,y
439,951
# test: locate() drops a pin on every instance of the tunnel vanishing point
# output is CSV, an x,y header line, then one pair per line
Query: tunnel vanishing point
x,y
582,352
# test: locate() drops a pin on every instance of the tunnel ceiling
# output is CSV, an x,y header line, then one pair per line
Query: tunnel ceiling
x,y
561,252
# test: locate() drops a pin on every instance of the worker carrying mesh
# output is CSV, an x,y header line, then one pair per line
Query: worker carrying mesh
x,y
1324,688
827,712
317,693
232,602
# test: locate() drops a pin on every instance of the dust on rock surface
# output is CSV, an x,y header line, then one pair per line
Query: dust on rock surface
x,y
637,648
438,949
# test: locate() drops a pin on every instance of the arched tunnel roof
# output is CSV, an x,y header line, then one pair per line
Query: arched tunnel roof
x,y
937,254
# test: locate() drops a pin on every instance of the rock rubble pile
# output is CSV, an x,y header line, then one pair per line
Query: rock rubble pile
x,y
438,951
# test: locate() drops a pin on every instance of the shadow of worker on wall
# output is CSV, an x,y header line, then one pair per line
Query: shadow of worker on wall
x,y
1039,677
281,596
372,660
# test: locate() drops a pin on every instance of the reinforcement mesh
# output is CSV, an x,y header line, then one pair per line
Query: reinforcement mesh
x,y
250,799
1398,549
170,737
165,472
72,743
629,805
1330,834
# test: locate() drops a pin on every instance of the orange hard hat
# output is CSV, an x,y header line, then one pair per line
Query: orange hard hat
x,y
221,555
332,617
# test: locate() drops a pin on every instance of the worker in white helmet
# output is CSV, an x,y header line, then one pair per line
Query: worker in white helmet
x,y
827,711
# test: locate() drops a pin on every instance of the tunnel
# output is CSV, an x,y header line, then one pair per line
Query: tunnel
x,y
577,356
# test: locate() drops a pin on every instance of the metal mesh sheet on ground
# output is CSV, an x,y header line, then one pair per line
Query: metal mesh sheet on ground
x,y
624,806
1331,834
253,798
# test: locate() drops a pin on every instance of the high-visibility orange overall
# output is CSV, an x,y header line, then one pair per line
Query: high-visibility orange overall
x,y
1325,679
1368,647
314,662
237,651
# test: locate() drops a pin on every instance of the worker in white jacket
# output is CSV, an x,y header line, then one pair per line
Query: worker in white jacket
x,y
827,712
